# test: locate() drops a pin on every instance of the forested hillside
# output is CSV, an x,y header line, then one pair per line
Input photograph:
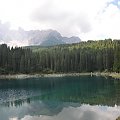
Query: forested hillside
x,y
90,56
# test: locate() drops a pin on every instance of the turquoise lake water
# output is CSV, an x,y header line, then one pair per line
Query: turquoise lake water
x,y
60,98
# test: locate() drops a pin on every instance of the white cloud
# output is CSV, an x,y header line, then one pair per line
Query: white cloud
x,y
16,43
84,112
88,19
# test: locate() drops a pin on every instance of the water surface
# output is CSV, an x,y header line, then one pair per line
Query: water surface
x,y
60,98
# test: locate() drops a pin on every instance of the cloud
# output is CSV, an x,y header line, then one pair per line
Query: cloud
x,y
106,24
60,16
12,37
4,27
84,112
89,19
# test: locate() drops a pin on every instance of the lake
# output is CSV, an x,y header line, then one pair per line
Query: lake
x,y
60,98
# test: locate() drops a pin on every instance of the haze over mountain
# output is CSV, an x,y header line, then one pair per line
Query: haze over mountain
x,y
21,37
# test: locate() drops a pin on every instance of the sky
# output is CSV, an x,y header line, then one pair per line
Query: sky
x,y
88,19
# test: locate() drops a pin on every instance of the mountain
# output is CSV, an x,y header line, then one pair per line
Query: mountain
x,y
35,37
45,38
71,40
49,38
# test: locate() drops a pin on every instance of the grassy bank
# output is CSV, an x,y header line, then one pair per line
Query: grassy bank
x,y
106,74
115,75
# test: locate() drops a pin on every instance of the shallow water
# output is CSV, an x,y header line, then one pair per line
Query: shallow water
x,y
60,98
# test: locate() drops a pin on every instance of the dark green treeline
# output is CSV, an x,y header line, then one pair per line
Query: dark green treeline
x,y
90,56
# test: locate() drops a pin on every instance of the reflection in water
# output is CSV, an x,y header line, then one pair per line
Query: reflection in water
x,y
85,112
60,98
90,90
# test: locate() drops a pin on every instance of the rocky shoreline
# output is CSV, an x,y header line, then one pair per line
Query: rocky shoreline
x,y
24,76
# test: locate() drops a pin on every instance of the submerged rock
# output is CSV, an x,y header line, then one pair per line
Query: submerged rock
x,y
118,118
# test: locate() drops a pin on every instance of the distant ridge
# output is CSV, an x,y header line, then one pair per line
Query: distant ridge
x,y
35,37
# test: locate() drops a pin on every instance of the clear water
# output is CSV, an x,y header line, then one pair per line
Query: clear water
x,y
60,98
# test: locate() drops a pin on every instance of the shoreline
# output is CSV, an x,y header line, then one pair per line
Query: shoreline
x,y
24,76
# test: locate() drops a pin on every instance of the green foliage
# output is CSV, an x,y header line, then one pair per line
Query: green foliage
x,y
102,55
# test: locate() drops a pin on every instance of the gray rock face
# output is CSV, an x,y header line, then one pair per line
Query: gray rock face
x,y
71,40
36,37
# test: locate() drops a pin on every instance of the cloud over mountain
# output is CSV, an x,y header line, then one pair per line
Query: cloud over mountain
x,y
88,19
21,37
